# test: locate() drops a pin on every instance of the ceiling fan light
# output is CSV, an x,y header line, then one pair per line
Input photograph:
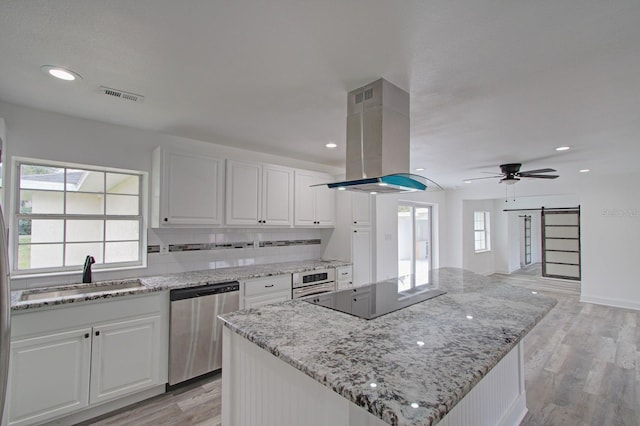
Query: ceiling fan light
x,y
563,148
510,181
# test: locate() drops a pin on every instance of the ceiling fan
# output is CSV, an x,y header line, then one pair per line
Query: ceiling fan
x,y
511,174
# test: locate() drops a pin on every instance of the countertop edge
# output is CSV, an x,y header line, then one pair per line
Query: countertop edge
x,y
178,280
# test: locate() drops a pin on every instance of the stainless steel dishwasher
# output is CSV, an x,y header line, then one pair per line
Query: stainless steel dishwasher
x,y
195,342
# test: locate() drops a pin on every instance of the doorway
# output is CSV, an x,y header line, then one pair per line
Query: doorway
x,y
414,241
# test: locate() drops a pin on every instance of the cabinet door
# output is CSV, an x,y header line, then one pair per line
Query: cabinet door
x,y
277,196
325,201
266,299
305,199
244,190
49,376
124,358
192,188
361,256
361,209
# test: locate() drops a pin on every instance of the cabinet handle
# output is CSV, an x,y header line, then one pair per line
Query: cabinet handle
x,y
267,286
354,231
166,219
354,222
86,335
97,333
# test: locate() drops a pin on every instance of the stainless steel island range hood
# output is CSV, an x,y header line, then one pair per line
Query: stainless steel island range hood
x,y
378,141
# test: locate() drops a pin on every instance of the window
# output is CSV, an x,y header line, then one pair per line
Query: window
x,y
481,231
64,213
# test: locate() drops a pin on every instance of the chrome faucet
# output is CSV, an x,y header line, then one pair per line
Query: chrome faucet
x,y
86,270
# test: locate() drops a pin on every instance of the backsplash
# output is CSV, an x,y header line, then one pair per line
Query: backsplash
x,y
197,249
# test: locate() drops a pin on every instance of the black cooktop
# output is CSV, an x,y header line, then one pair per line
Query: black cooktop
x,y
374,300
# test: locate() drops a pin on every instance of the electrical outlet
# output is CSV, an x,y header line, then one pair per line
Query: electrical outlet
x,y
164,249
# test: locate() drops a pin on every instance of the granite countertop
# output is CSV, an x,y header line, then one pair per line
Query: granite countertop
x,y
462,335
167,282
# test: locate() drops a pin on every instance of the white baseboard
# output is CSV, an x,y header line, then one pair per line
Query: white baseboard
x,y
616,303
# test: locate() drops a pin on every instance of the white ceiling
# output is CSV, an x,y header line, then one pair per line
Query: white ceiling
x,y
490,81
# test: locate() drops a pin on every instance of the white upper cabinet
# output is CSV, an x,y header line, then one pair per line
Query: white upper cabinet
x,y
361,206
259,194
315,206
187,189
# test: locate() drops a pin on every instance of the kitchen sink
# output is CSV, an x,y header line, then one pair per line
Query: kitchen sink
x,y
111,286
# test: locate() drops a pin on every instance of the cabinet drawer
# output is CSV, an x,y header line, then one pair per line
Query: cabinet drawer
x,y
344,273
267,285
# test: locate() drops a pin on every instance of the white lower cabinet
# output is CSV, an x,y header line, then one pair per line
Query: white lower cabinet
x,y
49,376
67,359
265,291
124,358
362,256
344,277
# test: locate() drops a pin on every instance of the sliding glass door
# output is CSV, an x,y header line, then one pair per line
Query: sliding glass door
x,y
414,241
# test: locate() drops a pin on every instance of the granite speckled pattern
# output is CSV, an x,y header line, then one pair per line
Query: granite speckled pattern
x,y
170,282
347,354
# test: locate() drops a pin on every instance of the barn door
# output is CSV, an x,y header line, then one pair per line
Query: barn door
x,y
561,243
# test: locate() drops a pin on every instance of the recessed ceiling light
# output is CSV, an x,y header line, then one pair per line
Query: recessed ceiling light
x,y
420,343
415,405
585,170
61,73
563,148
420,169
374,385
467,181
469,317
331,145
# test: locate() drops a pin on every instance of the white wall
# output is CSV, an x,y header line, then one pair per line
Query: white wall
x,y
50,136
610,235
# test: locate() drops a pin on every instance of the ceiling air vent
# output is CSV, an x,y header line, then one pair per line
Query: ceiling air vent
x,y
121,94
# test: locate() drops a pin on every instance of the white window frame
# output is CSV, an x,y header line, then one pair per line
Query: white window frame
x,y
485,230
68,270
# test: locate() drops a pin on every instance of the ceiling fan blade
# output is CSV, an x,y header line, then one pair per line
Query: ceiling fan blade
x,y
541,176
528,172
492,173
488,177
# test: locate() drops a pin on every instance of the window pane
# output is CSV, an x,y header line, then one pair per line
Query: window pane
x,y
40,230
118,183
41,202
39,256
76,253
121,252
85,203
85,180
41,177
84,230
118,230
123,204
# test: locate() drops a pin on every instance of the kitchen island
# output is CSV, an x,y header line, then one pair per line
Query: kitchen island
x,y
454,359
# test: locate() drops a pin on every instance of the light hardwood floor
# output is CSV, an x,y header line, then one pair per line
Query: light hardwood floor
x,y
582,368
